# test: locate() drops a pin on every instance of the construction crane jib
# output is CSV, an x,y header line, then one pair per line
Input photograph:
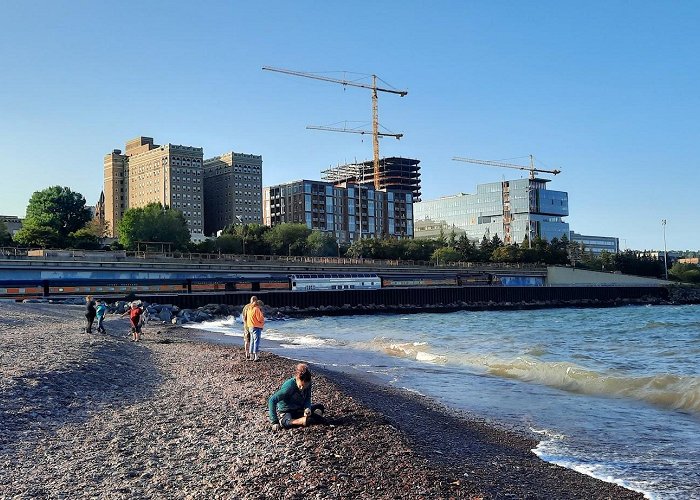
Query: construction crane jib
x,y
375,109
491,163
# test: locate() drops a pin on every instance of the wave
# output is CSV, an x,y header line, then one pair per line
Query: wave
x,y
232,326
420,351
676,392
550,450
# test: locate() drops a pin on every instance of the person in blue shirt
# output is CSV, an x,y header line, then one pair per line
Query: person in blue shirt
x,y
291,405
100,312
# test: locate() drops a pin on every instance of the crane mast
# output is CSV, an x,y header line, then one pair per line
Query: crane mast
x,y
375,109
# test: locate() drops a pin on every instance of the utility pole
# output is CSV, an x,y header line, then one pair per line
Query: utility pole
x,y
663,224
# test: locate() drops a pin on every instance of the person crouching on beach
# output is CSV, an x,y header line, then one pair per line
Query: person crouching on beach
x,y
89,313
246,328
255,320
135,320
291,405
100,312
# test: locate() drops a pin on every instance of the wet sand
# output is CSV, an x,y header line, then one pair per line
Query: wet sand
x,y
176,417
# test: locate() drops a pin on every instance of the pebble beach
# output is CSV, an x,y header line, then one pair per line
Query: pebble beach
x,y
176,416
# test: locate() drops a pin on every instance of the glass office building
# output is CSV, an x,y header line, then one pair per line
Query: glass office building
x,y
509,209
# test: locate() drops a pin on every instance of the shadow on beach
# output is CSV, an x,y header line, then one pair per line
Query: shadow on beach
x,y
115,373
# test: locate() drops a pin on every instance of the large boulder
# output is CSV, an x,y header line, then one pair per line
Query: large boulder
x,y
165,314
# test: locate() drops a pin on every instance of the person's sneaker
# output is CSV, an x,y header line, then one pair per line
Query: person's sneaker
x,y
256,357
319,412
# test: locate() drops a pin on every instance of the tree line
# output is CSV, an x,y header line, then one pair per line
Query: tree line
x,y
58,218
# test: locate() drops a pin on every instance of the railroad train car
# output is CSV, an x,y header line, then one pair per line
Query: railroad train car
x,y
292,282
334,281
428,280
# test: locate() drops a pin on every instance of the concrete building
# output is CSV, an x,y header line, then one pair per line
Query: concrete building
x,y
510,209
232,189
596,244
13,223
350,212
148,173
395,174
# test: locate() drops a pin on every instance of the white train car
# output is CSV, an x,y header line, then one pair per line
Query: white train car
x,y
334,281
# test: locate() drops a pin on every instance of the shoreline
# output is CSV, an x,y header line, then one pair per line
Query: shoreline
x,y
174,416
495,441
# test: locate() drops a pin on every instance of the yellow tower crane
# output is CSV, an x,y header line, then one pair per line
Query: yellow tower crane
x,y
375,112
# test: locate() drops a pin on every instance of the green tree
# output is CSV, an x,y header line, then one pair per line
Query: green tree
x,y
467,249
452,240
322,244
84,238
506,253
288,239
445,254
687,273
153,223
38,236
5,236
252,236
57,208
227,243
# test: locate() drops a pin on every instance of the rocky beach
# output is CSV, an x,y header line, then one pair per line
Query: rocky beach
x,y
176,416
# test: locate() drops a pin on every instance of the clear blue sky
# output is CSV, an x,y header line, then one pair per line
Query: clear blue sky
x,y
606,91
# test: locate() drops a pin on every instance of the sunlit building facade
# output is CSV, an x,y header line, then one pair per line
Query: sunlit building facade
x,y
349,212
510,209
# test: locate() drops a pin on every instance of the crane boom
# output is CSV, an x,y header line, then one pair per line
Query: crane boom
x,y
375,107
352,131
349,83
493,163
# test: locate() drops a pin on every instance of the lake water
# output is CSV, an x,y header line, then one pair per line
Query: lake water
x,y
613,393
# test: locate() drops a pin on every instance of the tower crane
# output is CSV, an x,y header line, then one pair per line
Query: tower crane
x,y
375,113
506,191
491,163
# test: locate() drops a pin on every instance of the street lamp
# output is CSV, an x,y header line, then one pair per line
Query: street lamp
x,y
663,224
240,221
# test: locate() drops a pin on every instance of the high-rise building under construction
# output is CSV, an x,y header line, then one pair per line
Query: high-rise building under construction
x,y
395,174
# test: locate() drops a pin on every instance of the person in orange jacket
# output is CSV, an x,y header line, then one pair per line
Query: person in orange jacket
x,y
255,319
246,329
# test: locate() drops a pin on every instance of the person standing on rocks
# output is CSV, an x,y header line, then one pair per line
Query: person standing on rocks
x,y
100,312
255,320
246,327
291,405
90,313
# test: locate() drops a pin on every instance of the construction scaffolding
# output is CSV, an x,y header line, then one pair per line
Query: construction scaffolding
x,y
395,174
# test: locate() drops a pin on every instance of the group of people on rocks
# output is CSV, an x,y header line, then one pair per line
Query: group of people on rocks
x,y
291,405
96,310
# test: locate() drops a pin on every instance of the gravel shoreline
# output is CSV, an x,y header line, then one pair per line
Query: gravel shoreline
x,y
173,417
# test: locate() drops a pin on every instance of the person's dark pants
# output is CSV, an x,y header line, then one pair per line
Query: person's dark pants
x,y
286,417
88,323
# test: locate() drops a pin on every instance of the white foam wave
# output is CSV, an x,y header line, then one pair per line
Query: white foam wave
x,y
420,351
551,451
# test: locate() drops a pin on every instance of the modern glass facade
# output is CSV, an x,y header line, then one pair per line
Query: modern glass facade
x,y
508,209
596,244
350,212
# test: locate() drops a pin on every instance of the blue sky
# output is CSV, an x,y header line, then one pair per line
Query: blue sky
x,y
605,91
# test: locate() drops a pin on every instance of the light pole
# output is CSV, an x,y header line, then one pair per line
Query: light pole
x,y
240,221
663,224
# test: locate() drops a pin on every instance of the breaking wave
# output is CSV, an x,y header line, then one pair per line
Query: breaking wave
x,y
666,390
